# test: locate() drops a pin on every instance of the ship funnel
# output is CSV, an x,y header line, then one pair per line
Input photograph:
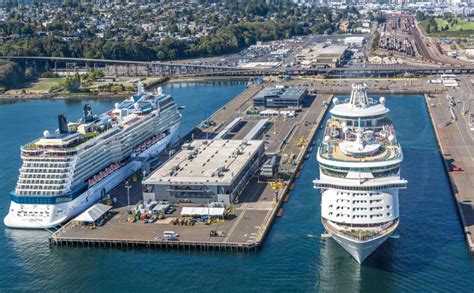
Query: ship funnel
x,y
62,123
88,117
140,89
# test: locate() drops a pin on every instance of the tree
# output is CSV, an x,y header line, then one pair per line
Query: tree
x,y
375,41
11,74
73,84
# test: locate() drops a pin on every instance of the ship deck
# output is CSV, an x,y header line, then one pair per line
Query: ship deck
x,y
332,151
386,153
359,234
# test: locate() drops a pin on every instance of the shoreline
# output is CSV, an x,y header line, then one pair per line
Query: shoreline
x,y
208,79
323,86
92,95
62,96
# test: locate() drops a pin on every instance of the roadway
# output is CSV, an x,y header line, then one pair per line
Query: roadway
x,y
174,68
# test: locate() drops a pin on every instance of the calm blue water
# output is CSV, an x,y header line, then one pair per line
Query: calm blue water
x,y
430,254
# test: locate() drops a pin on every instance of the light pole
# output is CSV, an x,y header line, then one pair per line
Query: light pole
x,y
128,186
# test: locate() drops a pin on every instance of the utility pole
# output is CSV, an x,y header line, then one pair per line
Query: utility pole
x,y
128,186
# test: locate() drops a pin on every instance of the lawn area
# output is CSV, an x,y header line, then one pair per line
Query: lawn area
x,y
441,23
40,86
466,25
463,29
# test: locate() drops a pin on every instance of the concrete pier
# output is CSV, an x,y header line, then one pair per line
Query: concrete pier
x,y
456,144
250,218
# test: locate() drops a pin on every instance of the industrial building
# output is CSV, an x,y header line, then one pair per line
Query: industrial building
x,y
322,56
280,97
354,41
206,171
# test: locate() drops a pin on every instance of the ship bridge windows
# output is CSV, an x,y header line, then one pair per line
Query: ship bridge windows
x,y
360,188
386,173
332,173
354,121
356,169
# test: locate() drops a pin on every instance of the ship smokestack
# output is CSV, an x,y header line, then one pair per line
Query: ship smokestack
x,y
62,121
88,117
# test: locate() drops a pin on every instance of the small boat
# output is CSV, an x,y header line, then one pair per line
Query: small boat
x,y
181,107
456,169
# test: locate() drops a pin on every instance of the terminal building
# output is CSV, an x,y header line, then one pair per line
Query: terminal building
x,y
280,97
322,56
206,171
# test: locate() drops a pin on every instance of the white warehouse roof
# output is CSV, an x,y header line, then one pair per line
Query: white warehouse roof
x,y
93,213
201,211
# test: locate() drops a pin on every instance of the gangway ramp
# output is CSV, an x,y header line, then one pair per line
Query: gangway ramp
x,y
256,130
228,128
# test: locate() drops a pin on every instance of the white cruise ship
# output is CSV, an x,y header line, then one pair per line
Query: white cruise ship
x,y
67,171
359,161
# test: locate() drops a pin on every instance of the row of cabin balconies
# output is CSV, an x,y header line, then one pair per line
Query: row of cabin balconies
x,y
48,158
47,165
42,181
42,185
39,187
44,176
36,193
44,170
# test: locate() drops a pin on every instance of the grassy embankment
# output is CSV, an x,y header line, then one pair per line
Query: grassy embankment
x,y
50,87
461,29
38,87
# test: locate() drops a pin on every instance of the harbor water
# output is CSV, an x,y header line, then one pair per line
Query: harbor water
x,y
430,253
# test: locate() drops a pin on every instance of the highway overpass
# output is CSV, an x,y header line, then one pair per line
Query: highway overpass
x,y
170,68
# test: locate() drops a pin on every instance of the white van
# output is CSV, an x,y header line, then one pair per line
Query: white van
x,y
170,234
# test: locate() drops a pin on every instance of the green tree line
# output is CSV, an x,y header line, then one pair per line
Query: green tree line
x,y
226,39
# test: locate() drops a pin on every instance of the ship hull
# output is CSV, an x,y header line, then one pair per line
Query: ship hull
x,y
359,249
41,216
44,216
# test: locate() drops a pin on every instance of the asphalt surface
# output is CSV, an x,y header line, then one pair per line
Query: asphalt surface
x,y
457,147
